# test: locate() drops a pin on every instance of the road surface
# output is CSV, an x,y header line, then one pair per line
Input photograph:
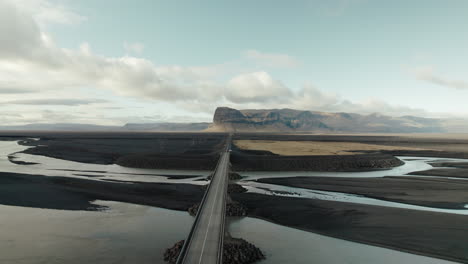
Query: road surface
x,y
204,246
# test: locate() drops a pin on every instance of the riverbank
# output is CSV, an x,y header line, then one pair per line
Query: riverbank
x,y
423,191
191,151
439,172
432,234
68,193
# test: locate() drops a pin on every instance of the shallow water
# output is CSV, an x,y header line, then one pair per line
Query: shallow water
x,y
126,233
282,245
412,164
272,189
59,167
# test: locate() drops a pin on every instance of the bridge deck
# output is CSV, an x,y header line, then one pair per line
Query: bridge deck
x,y
207,237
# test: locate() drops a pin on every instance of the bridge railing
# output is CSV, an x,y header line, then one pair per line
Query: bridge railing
x,y
187,242
223,221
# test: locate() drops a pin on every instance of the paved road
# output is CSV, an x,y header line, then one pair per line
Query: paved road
x,y
206,241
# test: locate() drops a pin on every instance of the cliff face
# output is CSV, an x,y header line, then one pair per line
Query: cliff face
x,y
225,115
289,120
228,119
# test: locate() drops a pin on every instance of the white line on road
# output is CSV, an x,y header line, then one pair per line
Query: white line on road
x,y
211,214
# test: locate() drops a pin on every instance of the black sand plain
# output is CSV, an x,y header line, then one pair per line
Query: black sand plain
x,y
433,234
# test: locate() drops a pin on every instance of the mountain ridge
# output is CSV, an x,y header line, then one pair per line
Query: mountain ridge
x,y
291,120
277,120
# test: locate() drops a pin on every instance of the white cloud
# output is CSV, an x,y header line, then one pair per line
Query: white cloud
x,y
256,87
32,63
430,75
11,90
134,47
32,58
272,59
65,101
374,105
310,97
45,12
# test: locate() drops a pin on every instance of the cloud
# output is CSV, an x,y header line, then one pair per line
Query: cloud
x,y
31,62
429,74
373,105
272,59
45,12
310,97
15,91
26,50
20,36
65,102
134,47
256,87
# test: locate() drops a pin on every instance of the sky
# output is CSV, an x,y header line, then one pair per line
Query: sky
x,y
112,62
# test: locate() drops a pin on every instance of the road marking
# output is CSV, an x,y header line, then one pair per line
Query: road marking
x,y
212,209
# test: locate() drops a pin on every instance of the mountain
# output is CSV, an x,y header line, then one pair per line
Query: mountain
x,y
162,127
60,127
166,126
279,120
290,120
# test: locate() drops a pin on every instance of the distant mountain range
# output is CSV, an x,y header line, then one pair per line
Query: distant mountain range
x,y
279,120
167,126
163,127
289,120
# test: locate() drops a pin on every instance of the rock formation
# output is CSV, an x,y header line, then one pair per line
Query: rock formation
x,y
289,120
235,251
235,188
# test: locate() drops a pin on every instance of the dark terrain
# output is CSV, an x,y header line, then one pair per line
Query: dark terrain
x,y
138,150
277,120
77,194
451,172
424,191
434,234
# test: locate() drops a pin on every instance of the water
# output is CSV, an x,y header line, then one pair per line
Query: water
x,y
272,189
126,233
282,245
412,164
58,167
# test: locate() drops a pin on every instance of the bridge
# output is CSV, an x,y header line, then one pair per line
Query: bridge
x,y
204,243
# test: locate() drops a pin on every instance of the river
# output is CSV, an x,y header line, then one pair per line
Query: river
x,y
128,233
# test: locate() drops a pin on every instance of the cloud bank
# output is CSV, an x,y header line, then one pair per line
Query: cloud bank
x,y
33,63
429,74
67,102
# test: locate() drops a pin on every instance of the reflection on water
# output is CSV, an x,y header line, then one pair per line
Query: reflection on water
x,y
58,167
288,245
412,164
280,190
126,233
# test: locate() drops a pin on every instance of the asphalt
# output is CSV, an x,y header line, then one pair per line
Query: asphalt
x,y
205,245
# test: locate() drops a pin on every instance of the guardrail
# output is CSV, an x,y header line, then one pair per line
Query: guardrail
x,y
187,242
221,234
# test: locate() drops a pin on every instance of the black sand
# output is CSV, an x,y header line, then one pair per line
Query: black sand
x,y
76,194
424,191
427,233
454,173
